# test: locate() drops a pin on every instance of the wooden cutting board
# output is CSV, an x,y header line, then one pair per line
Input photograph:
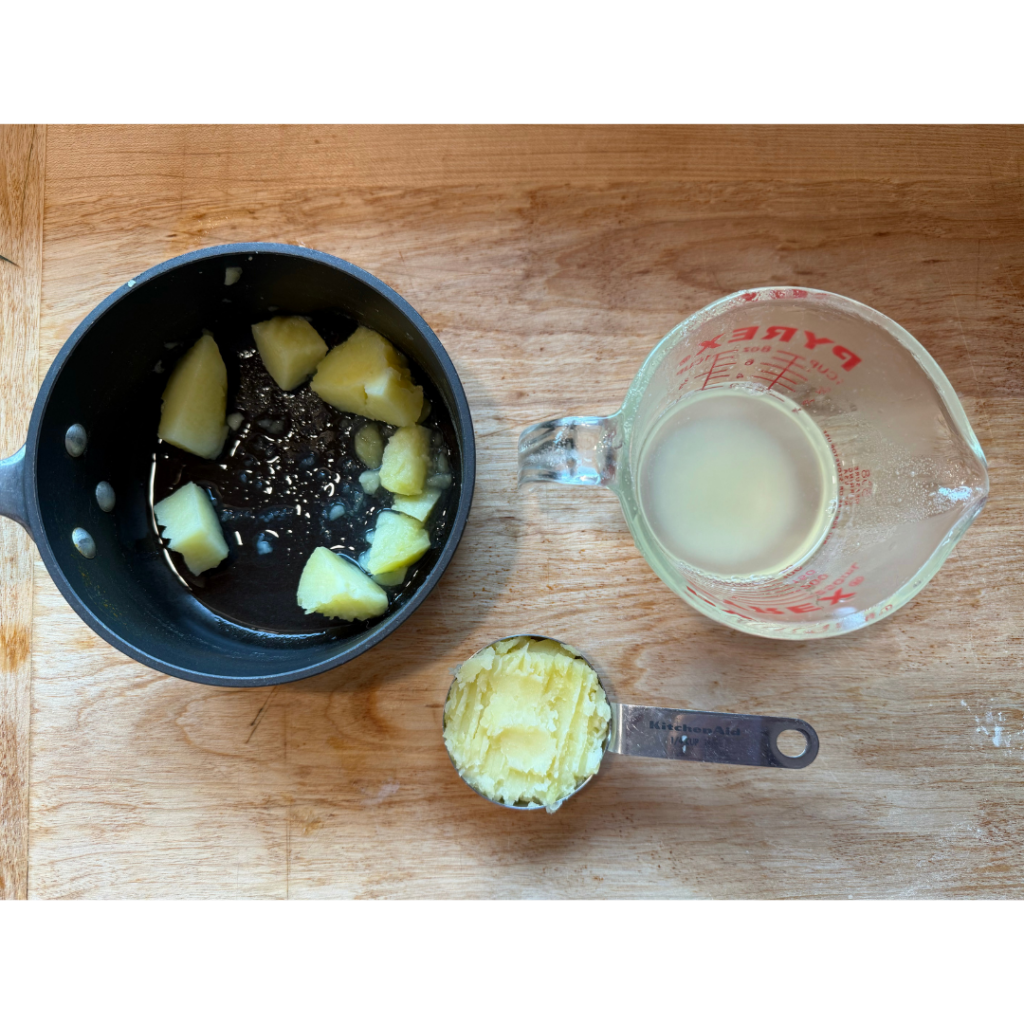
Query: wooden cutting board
x,y
549,261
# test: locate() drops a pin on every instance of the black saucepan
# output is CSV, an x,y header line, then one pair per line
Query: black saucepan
x,y
104,379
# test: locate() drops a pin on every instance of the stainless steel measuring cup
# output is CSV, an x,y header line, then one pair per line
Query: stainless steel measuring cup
x,y
675,734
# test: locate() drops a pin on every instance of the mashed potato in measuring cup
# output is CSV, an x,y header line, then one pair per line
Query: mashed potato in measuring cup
x,y
526,721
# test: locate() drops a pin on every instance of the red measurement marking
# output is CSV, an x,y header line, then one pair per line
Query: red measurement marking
x,y
854,484
720,369
796,609
779,371
779,332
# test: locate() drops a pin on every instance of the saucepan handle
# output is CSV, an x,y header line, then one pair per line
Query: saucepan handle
x,y
13,502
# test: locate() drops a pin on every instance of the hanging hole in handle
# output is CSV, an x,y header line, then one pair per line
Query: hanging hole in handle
x,y
790,735
791,742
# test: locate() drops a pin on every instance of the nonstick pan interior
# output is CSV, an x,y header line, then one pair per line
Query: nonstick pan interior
x,y
106,379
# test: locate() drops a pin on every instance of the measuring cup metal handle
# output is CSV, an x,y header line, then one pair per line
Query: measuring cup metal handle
x,y
575,450
681,735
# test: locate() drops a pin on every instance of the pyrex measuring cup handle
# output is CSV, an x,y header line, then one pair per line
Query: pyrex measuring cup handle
x,y
681,735
574,450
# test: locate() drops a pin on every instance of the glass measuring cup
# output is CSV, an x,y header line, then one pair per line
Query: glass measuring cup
x,y
906,473
677,734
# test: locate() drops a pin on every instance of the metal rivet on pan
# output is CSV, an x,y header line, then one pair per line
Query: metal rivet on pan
x,y
75,440
84,542
105,497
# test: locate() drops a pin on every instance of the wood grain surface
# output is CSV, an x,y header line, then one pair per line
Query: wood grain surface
x,y
22,159
550,261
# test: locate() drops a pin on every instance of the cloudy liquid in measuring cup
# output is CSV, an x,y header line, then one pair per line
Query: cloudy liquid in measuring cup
x,y
737,483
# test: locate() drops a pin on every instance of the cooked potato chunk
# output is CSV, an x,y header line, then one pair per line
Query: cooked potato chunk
x,y
368,376
332,586
369,446
406,460
191,527
195,400
392,579
418,507
398,541
290,349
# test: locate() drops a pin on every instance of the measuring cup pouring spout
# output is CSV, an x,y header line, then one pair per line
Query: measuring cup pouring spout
x,y
792,463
